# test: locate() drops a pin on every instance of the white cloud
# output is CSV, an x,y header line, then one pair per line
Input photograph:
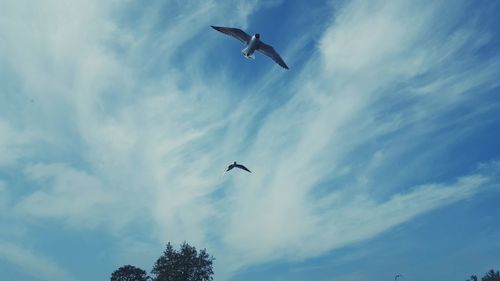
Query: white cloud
x,y
4,196
337,119
68,194
14,144
38,266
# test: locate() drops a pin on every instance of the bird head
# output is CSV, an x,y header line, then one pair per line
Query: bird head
x,y
257,35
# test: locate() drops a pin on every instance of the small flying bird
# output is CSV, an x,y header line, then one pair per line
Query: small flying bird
x,y
252,44
236,165
397,276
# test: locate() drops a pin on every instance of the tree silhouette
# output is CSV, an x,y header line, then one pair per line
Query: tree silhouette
x,y
491,276
472,278
183,265
129,273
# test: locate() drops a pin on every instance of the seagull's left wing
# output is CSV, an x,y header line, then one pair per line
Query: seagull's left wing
x,y
270,52
234,32
243,167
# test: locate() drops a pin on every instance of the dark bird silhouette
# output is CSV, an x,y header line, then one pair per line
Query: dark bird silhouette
x,y
236,165
252,44
397,276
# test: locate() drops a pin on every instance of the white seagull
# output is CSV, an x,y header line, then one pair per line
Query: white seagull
x,y
236,165
252,44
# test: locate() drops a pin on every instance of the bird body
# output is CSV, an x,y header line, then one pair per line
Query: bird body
x,y
252,44
251,47
236,165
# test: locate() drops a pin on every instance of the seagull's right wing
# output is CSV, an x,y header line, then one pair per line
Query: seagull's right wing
x,y
234,32
270,52
229,168
243,167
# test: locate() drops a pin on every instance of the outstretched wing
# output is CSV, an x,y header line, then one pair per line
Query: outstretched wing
x,y
229,167
234,32
243,167
270,52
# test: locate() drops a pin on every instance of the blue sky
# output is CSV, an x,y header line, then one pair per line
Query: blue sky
x,y
375,154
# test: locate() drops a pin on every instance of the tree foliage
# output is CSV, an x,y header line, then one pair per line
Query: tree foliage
x,y
491,275
472,278
129,273
186,264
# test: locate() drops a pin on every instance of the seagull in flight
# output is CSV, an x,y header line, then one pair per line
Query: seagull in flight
x,y
236,165
252,44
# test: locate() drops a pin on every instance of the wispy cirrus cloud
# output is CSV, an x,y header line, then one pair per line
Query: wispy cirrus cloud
x,y
14,144
364,104
32,264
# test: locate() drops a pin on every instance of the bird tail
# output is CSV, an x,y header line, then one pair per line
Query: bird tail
x,y
245,53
